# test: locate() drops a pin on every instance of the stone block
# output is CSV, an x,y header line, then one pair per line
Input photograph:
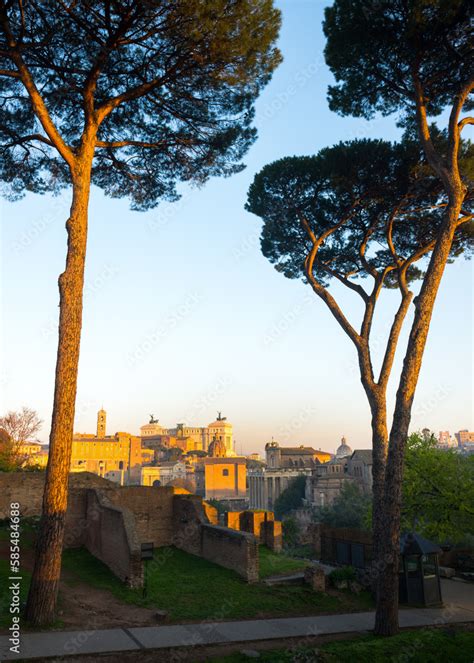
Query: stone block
x,y
315,577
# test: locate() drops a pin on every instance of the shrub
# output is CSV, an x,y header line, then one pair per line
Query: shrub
x,y
344,574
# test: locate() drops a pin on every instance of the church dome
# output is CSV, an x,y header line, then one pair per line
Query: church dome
x,y
343,449
217,449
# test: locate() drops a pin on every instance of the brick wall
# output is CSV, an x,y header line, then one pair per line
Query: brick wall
x,y
152,509
232,519
233,550
111,537
271,535
27,489
251,521
112,521
189,517
227,547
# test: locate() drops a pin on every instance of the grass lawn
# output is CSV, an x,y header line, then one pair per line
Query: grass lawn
x,y
273,564
455,645
190,588
5,593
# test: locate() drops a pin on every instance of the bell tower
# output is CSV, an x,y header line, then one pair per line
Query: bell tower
x,y
101,422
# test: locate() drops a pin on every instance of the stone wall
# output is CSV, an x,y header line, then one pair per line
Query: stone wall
x,y
189,517
112,521
111,536
251,521
152,509
234,550
224,546
232,519
261,524
27,489
271,535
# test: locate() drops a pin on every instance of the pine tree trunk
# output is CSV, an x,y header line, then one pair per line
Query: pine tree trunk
x,y
44,586
379,458
386,618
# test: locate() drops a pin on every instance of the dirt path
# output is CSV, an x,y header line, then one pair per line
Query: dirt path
x,y
84,607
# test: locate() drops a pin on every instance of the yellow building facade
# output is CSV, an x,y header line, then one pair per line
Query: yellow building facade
x,y
222,478
103,453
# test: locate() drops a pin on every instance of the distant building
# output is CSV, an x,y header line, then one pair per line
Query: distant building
x,y
293,457
445,440
102,453
266,484
283,464
254,456
464,437
222,430
220,477
162,474
188,438
32,453
326,480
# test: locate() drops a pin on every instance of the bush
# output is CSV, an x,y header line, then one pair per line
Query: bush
x,y
345,574
349,509
291,531
291,498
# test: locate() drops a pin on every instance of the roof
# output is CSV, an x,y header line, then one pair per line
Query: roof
x,y
304,451
237,460
414,544
365,455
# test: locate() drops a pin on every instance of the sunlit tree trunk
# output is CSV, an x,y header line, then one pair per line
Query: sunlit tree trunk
x,y
45,580
379,457
386,619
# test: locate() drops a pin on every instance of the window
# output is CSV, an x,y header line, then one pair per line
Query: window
x,y
225,473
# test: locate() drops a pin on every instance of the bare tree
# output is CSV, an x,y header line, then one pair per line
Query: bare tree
x,y
18,428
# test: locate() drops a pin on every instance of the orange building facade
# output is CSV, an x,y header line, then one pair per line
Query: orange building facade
x,y
222,478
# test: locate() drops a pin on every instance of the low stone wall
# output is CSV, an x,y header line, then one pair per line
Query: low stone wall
x,y
252,521
111,537
271,535
261,524
234,550
189,517
27,489
224,546
232,519
112,521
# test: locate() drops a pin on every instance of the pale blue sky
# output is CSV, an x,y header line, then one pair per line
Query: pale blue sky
x,y
183,316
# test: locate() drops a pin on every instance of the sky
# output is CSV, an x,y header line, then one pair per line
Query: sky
x,y
183,316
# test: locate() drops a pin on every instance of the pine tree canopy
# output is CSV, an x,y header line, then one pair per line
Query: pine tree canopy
x,y
374,205
167,89
380,51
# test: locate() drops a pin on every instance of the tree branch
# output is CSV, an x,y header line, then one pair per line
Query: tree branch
x,y
344,280
36,99
9,73
134,143
454,131
320,290
464,121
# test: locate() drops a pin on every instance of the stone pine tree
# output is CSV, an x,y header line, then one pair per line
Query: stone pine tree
x,y
366,215
133,97
413,58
